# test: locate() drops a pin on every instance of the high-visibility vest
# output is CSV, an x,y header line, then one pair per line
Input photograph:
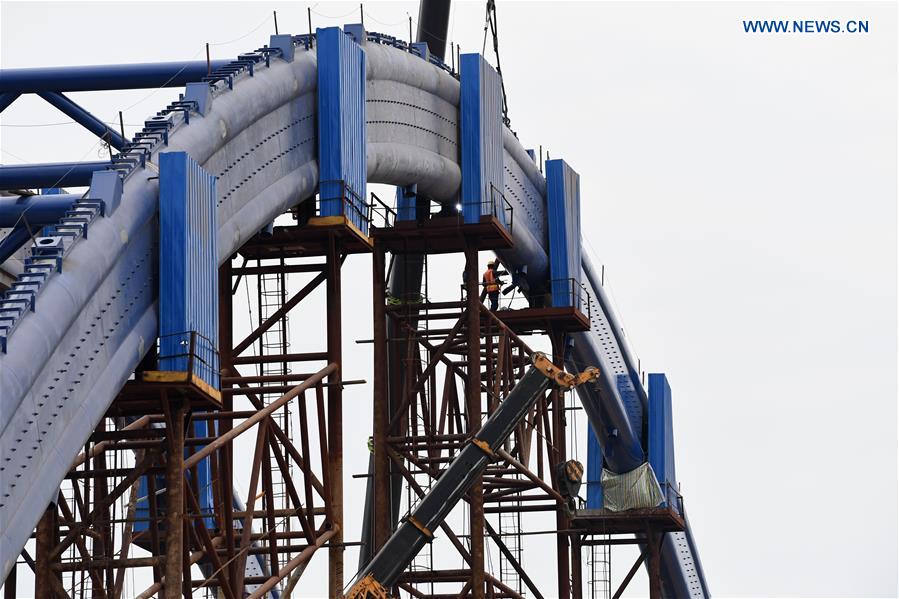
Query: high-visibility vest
x,y
490,281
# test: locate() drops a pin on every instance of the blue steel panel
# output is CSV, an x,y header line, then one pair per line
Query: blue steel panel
x,y
406,200
341,127
481,135
661,434
594,470
563,213
188,266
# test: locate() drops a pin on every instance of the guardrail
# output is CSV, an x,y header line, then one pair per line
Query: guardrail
x,y
495,205
668,491
190,352
351,205
381,212
569,291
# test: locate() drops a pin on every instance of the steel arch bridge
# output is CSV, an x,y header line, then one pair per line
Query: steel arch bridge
x,y
300,126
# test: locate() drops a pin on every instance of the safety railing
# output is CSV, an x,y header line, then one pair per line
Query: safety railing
x,y
567,292
382,215
337,198
190,352
673,497
496,205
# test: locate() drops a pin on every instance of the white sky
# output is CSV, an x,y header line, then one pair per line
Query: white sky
x,y
741,191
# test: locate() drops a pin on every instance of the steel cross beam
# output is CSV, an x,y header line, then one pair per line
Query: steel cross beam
x,y
84,118
58,174
105,77
7,98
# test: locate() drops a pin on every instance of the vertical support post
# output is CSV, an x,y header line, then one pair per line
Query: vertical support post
x,y
381,409
43,587
335,420
174,481
226,343
654,541
559,454
9,585
576,575
473,403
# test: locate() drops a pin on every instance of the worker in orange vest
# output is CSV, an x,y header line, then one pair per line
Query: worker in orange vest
x,y
491,284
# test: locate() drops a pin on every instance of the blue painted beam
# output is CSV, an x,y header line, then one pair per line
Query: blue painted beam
x,y
104,77
52,174
6,99
85,119
40,210
12,242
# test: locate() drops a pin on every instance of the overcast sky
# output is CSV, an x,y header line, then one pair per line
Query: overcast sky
x,y
740,190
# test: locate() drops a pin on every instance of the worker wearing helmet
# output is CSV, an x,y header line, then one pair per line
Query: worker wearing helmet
x,y
491,284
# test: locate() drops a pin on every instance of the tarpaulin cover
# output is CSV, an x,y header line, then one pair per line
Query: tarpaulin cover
x,y
631,490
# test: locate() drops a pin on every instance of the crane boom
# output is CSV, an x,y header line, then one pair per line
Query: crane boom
x,y
417,528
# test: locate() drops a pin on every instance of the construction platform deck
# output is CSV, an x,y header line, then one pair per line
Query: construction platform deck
x,y
601,521
528,320
141,395
443,235
310,239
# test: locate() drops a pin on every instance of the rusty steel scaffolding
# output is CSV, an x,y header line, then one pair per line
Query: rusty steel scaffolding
x,y
441,365
452,362
86,541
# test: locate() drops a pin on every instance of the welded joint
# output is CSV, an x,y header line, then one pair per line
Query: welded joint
x,y
485,447
421,528
558,375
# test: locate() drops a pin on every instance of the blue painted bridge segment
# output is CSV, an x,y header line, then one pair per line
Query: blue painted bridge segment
x,y
437,176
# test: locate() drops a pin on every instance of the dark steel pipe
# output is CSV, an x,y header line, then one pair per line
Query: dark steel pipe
x,y
12,242
6,99
104,77
433,22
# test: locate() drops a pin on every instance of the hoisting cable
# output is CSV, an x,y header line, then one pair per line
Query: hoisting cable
x,y
490,21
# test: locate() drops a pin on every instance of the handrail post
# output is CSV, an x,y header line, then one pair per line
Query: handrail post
x,y
190,354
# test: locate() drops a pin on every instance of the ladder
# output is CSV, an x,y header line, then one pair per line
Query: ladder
x,y
599,570
510,535
271,295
